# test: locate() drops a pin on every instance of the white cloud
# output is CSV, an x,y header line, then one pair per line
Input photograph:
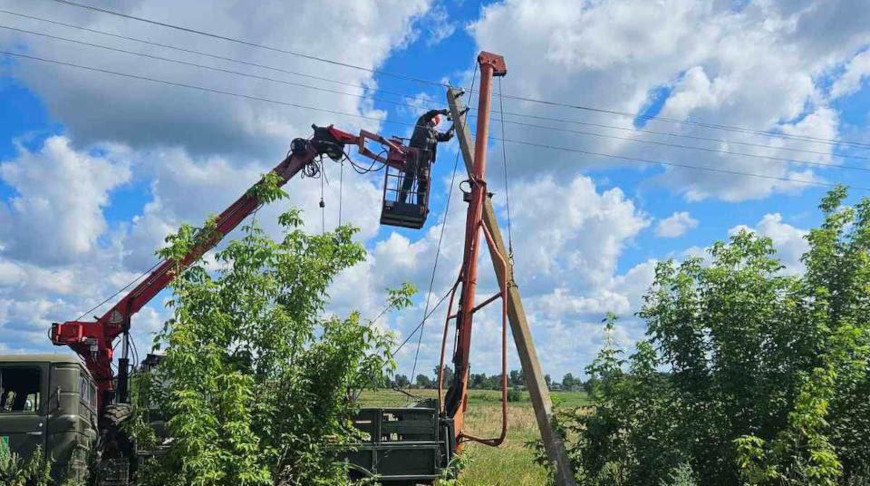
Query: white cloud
x,y
98,107
790,242
566,269
57,214
857,70
676,225
760,67
439,25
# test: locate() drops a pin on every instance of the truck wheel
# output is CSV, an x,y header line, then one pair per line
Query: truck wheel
x,y
117,451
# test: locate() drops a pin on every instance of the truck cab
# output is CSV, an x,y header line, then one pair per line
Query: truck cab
x,y
48,402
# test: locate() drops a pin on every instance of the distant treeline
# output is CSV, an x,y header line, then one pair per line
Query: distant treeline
x,y
482,381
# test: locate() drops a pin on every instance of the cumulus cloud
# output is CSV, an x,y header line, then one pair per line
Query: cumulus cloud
x,y
566,269
676,225
857,70
761,66
440,26
98,107
56,215
790,242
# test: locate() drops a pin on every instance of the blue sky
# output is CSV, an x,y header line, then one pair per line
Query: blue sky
x,y
96,169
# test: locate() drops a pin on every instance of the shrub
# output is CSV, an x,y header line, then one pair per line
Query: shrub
x,y
749,375
259,380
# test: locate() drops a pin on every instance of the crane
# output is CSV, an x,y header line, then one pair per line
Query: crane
x,y
95,340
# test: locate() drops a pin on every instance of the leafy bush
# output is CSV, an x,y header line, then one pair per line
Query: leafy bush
x,y
16,471
749,375
514,395
258,379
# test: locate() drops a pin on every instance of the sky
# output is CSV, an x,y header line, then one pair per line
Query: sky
x,y
672,124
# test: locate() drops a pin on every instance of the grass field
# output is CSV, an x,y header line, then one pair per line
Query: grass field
x,y
513,462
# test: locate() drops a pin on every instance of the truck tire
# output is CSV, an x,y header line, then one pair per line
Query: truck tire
x,y
116,414
117,451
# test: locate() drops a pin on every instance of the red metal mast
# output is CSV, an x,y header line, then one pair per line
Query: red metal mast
x,y
455,401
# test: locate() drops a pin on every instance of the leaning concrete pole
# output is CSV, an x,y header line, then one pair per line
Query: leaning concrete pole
x,y
538,391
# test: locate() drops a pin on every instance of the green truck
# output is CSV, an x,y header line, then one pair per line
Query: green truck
x,y
48,402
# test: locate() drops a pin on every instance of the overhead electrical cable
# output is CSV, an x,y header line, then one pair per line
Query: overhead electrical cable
x,y
206,54
369,97
716,126
140,277
251,44
353,115
693,147
634,116
684,166
681,135
200,88
207,67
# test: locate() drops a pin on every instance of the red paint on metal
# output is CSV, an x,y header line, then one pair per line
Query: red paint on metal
x,y
94,341
457,399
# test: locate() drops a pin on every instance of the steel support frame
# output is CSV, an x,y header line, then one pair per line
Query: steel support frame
x,y
537,386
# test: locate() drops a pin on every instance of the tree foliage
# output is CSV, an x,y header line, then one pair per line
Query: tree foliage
x,y
257,377
749,375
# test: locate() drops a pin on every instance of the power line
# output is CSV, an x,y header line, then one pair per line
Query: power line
x,y
679,135
684,166
366,88
250,44
440,240
692,147
205,54
353,115
716,126
419,326
204,66
436,83
140,277
364,96
201,88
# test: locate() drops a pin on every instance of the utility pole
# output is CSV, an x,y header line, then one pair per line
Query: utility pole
x,y
538,391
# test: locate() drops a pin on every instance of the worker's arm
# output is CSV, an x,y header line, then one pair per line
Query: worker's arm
x,y
431,113
443,137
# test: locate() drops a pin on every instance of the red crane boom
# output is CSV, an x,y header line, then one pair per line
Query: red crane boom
x,y
94,340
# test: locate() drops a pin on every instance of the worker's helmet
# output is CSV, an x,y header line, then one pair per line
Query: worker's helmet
x,y
436,120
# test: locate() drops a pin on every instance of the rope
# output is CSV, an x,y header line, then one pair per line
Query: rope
x,y
143,274
322,203
507,192
438,248
340,190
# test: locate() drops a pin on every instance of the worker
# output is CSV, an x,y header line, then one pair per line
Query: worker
x,y
424,141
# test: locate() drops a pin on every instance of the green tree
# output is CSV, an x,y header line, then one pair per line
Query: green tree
x,y
516,379
448,376
569,383
765,376
259,379
424,381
